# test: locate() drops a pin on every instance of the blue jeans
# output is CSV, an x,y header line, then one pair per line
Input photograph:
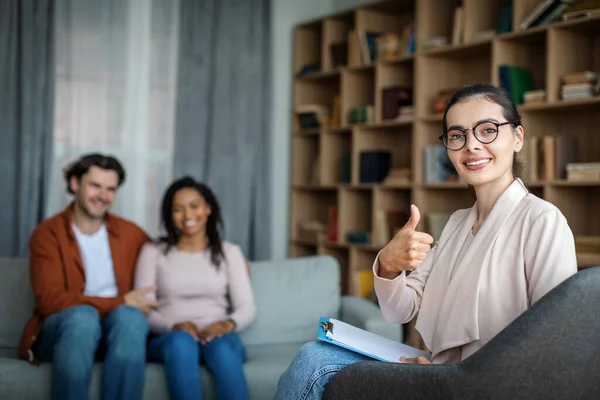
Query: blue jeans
x,y
311,370
182,354
73,339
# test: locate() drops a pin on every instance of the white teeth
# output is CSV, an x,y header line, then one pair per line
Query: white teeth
x,y
190,222
478,162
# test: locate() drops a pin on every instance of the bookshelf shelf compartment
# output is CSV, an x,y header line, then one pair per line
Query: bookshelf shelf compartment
x,y
582,43
527,52
305,168
396,140
336,162
357,92
572,201
307,48
354,215
310,206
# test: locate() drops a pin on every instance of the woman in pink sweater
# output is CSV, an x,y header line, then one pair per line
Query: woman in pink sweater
x,y
203,288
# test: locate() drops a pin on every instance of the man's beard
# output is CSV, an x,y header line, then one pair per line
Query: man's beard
x,y
83,207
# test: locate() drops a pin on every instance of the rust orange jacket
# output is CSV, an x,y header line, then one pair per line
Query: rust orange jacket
x,y
58,276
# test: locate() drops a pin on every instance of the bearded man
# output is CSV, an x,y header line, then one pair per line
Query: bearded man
x,y
81,264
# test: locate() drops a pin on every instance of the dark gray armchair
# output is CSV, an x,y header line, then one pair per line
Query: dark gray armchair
x,y
552,351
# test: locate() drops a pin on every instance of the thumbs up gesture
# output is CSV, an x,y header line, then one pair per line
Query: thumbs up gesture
x,y
407,250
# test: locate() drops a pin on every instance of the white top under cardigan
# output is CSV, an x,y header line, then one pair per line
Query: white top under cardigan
x,y
523,250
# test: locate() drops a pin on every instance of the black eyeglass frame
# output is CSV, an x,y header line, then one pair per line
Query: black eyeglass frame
x,y
464,131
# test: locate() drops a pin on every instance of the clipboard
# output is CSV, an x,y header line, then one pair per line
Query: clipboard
x,y
366,343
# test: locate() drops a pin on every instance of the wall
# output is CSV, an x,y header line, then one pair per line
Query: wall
x,y
285,14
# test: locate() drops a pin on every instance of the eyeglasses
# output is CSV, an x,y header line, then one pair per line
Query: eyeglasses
x,y
485,132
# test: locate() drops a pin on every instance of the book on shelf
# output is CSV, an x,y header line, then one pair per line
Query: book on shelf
x,y
312,116
546,157
437,166
516,81
393,99
543,12
583,172
535,96
458,28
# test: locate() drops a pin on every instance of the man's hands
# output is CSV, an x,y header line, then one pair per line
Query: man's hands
x,y
137,298
407,250
207,334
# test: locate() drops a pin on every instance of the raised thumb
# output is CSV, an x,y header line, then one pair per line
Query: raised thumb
x,y
414,219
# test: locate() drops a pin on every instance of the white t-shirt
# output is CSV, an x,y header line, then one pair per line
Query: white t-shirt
x,y
97,261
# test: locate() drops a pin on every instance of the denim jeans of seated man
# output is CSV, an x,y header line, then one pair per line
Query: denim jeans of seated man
x,y
311,370
74,338
181,355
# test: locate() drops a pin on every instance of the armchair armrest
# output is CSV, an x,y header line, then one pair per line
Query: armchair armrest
x,y
366,315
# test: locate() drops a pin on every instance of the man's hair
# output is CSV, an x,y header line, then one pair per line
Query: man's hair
x,y
81,166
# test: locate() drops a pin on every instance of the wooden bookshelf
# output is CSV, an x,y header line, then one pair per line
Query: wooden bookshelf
x,y
549,51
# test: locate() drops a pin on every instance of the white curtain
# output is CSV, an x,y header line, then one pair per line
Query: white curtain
x,y
116,69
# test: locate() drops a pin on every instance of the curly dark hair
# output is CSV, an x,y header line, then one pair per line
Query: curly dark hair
x,y
214,223
80,167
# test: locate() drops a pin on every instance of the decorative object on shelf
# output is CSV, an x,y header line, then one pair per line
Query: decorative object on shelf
x,y
441,99
374,165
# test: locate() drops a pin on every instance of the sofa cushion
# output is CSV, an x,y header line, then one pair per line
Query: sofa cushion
x,y
21,380
16,300
291,295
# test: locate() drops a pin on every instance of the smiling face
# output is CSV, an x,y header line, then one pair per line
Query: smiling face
x,y
190,212
95,191
477,163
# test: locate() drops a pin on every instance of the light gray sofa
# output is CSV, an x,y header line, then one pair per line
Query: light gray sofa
x,y
291,295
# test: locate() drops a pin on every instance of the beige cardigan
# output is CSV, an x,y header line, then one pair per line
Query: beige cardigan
x,y
523,250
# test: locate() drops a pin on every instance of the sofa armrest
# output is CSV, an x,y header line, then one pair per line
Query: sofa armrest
x,y
366,315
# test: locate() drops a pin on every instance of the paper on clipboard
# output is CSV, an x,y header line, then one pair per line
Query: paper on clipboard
x,y
367,343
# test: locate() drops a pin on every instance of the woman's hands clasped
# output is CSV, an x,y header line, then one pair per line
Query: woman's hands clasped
x,y
407,250
205,335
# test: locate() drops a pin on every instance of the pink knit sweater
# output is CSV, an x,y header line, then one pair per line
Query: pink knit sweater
x,y
190,288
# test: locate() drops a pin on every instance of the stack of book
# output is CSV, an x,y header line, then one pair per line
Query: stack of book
x,y
583,171
534,96
579,85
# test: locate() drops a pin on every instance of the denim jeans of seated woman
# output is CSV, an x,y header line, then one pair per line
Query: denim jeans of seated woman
x,y
312,368
181,355
74,338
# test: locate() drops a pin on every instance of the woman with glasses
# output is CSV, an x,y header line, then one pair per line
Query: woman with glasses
x,y
491,263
